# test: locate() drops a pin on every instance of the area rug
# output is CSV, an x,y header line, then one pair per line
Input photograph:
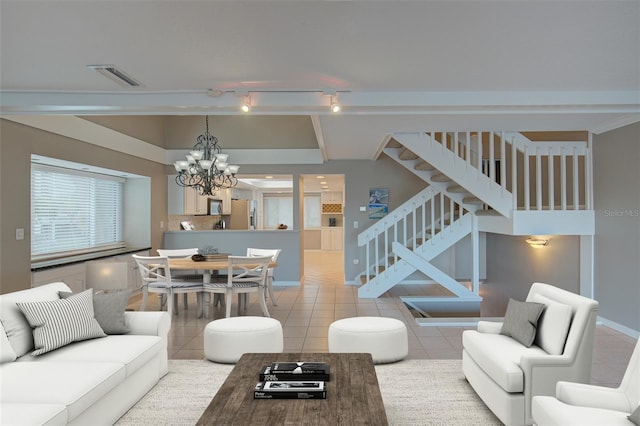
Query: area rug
x,y
415,392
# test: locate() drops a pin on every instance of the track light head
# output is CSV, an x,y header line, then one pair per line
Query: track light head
x,y
246,103
335,106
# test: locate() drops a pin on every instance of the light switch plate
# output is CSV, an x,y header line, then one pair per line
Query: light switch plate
x,y
363,209
19,234
355,224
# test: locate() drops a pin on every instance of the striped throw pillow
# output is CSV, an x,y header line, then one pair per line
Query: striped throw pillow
x,y
57,323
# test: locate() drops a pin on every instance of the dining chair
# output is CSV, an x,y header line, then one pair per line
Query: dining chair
x,y
188,275
245,274
274,253
156,278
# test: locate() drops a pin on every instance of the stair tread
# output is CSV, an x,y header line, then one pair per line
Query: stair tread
x,y
424,166
472,200
487,213
407,155
456,189
440,178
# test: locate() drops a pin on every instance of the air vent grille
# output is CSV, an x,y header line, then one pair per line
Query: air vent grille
x,y
115,74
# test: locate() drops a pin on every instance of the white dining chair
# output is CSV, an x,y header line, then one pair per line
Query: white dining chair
x,y
274,253
193,276
245,274
156,278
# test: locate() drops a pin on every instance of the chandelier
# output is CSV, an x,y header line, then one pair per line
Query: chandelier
x,y
206,168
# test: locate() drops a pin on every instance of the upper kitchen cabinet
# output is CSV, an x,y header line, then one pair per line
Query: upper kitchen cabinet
x,y
331,202
194,203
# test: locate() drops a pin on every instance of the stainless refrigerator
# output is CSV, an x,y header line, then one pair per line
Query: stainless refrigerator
x,y
243,215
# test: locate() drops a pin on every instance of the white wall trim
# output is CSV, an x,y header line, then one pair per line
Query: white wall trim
x,y
89,132
286,283
259,156
619,327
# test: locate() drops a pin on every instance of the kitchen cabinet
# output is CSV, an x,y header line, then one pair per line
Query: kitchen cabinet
x,y
331,238
332,197
194,203
331,202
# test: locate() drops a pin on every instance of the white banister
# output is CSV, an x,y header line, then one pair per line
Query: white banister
x,y
538,179
563,177
551,183
503,163
576,182
492,159
527,187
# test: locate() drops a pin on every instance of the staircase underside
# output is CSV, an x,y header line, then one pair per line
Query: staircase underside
x,y
540,222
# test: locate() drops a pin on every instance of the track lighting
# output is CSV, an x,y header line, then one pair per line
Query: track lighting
x,y
246,103
335,106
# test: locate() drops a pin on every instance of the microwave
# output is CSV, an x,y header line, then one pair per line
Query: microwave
x,y
215,207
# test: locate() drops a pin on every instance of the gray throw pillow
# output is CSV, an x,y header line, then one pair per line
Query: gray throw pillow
x,y
635,416
57,323
521,321
109,310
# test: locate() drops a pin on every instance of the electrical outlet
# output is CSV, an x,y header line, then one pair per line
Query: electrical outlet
x,y
355,224
19,234
162,224
356,261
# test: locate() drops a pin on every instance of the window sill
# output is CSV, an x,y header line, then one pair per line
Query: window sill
x,y
65,261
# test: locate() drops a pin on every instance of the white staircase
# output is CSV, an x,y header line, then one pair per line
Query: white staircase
x,y
480,181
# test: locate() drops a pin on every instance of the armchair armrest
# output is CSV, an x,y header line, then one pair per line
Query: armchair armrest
x,y
593,396
489,327
148,323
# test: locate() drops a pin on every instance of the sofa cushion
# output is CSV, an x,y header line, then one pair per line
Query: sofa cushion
x,y
76,385
18,414
15,324
108,310
131,351
7,354
59,322
499,357
521,320
553,325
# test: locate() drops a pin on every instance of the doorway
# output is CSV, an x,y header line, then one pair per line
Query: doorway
x,y
323,227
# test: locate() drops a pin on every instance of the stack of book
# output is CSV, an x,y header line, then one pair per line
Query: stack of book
x,y
293,380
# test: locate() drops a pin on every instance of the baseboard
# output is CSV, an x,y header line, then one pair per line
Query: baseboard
x,y
619,327
286,283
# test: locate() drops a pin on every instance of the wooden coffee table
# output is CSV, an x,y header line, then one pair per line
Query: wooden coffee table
x,y
353,395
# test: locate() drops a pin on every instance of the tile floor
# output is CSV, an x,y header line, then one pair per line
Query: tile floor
x,y
307,311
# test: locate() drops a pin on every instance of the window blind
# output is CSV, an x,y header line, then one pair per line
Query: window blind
x,y
74,212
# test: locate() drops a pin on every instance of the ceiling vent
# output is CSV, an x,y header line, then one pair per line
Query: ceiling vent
x,y
113,73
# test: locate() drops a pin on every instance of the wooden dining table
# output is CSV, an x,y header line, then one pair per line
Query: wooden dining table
x,y
209,267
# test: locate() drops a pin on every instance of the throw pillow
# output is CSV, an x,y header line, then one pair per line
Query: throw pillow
x,y
521,320
635,416
553,325
108,309
59,322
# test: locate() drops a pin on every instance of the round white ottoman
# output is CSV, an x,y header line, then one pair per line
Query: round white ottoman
x,y
384,338
225,340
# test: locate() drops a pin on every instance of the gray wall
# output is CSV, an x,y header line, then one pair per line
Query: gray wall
x,y
360,175
17,143
617,240
512,266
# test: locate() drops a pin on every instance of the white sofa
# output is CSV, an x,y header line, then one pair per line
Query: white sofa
x,y
92,382
506,374
578,404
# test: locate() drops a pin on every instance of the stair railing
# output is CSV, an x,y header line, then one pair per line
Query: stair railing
x,y
550,175
418,221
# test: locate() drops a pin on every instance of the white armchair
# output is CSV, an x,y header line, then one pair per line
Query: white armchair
x,y
506,374
580,404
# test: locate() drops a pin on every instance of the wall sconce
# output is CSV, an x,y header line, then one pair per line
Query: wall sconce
x,y
246,103
537,242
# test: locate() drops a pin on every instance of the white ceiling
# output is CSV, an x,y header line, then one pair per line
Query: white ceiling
x,y
395,65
